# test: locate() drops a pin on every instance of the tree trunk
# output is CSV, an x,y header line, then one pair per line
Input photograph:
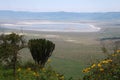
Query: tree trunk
x,y
14,64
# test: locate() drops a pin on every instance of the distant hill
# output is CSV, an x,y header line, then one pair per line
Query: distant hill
x,y
6,14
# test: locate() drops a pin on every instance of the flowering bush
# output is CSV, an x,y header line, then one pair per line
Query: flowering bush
x,y
31,73
107,69
41,74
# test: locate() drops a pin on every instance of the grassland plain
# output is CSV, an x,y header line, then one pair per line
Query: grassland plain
x,y
74,51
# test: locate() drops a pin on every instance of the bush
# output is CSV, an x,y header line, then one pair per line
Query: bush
x,y
41,50
28,72
107,69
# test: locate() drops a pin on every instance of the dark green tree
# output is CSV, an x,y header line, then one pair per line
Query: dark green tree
x,y
41,50
9,48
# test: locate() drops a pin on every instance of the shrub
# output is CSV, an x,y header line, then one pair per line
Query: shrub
x,y
107,69
41,50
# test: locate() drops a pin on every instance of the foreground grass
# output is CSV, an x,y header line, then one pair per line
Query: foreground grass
x,y
30,73
105,69
69,68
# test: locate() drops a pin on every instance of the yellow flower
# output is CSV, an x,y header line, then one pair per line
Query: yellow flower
x,y
19,69
109,60
43,69
99,65
49,60
28,69
101,69
62,77
114,54
57,74
86,70
118,51
93,65
105,62
35,74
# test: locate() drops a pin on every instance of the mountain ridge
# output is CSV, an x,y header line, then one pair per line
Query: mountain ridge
x,y
61,15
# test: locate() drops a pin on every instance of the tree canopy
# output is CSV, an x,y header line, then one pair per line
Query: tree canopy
x,y
41,50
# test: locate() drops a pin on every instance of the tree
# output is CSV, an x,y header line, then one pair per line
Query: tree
x,y
41,50
9,46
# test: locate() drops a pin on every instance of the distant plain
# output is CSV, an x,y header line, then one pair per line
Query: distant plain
x,y
74,50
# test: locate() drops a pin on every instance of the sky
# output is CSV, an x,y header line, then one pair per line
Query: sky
x,y
61,5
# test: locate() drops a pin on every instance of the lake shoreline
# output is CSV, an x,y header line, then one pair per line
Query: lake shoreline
x,y
52,26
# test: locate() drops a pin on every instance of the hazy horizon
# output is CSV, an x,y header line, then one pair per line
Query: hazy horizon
x,y
58,11
62,5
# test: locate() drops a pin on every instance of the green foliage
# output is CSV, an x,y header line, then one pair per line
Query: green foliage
x,y
28,64
9,46
29,73
107,69
41,50
5,49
